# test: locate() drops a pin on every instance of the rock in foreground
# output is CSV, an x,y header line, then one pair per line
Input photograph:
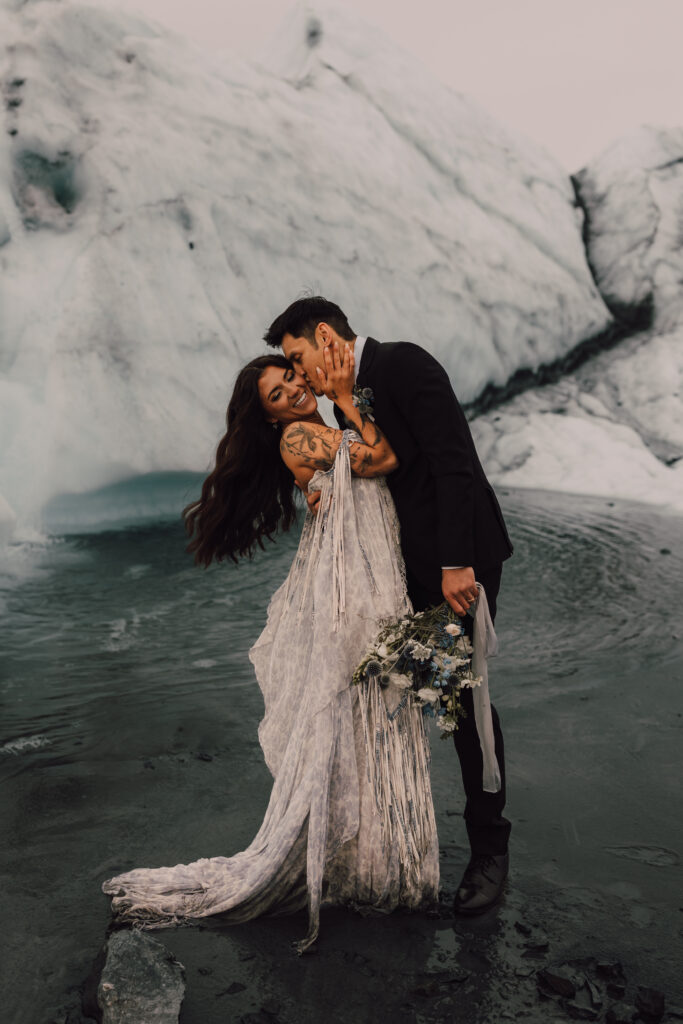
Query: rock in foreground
x,y
141,981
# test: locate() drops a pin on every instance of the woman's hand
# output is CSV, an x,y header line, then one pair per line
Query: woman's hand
x,y
337,379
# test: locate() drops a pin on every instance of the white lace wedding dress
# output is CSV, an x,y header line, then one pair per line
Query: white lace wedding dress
x,y
341,827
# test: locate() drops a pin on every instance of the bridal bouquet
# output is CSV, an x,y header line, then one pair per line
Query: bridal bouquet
x,y
428,655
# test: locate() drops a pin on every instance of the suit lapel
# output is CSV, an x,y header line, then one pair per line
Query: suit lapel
x,y
367,359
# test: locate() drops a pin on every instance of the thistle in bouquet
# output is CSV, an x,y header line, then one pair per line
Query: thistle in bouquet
x,y
428,655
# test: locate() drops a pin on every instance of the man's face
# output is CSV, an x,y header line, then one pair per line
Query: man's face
x,y
305,356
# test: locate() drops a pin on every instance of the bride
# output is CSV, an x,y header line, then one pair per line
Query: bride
x,y
335,750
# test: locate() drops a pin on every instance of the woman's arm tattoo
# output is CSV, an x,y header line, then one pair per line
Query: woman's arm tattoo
x,y
308,446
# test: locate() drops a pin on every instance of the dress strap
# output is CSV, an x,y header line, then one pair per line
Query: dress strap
x,y
484,646
341,494
335,494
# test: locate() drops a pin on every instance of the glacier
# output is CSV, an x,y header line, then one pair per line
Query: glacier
x,y
159,205
614,427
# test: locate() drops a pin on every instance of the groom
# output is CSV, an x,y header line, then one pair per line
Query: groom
x,y
452,529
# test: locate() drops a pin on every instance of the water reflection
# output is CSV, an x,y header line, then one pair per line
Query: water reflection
x,y
129,712
125,614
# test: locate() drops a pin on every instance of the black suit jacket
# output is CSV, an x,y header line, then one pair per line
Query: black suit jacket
x,y
447,509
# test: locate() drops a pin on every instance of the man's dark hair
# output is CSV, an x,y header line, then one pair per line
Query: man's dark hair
x,y
303,316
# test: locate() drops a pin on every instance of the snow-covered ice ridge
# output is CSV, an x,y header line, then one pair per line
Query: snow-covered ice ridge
x,y
614,427
159,205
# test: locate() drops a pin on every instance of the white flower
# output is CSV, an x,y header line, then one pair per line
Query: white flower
x,y
474,681
401,680
451,662
428,695
445,724
382,650
418,651
453,629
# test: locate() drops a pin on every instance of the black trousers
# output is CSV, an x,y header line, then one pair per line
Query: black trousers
x,y
487,829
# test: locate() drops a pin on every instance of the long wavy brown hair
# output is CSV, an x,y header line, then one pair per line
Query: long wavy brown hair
x,y
249,494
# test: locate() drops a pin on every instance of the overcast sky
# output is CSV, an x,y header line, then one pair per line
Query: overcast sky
x,y
571,75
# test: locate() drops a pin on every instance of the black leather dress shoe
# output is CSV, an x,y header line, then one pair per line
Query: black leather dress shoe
x,y
482,884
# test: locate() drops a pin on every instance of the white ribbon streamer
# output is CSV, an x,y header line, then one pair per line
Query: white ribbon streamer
x,y
484,646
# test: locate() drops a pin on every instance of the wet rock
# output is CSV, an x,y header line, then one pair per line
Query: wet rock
x,y
436,982
650,1003
613,973
535,950
69,1015
201,756
426,989
141,981
580,1011
457,977
232,989
620,1013
586,1003
594,993
556,981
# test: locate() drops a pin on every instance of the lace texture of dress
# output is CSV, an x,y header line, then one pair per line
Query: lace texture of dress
x,y
350,818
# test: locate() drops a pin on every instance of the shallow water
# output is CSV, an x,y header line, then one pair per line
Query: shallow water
x,y
128,736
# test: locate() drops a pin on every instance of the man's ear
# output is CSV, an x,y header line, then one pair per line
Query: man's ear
x,y
323,334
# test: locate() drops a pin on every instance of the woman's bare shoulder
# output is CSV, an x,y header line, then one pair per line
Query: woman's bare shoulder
x,y
314,444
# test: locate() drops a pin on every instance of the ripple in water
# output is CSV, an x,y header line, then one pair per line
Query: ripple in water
x,y
129,708
120,620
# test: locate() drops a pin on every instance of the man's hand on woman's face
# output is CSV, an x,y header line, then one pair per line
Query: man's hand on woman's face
x,y
459,588
337,378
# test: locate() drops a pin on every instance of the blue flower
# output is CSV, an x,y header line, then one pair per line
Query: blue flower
x,y
363,399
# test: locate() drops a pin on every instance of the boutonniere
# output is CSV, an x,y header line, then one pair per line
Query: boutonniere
x,y
363,399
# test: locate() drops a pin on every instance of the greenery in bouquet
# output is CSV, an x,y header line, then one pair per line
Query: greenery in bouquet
x,y
427,654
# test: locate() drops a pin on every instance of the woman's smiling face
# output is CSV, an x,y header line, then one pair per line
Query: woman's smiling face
x,y
285,395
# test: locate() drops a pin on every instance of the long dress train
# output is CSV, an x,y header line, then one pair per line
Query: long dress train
x,y
339,828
